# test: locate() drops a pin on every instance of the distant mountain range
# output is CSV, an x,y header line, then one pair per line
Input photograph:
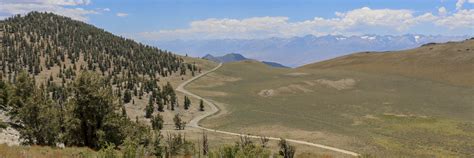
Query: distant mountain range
x,y
232,57
298,51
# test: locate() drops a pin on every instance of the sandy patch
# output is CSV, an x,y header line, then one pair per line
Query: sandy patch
x,y
293,88
9,135
266,92
341,84
404,115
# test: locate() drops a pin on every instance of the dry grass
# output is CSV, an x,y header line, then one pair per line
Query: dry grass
x,y
44,152
451,63
360,116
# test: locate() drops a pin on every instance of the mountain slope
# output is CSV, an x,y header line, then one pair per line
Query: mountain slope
x,y
274,64
231,57
234,57
451,62
55,50
297,51
39,41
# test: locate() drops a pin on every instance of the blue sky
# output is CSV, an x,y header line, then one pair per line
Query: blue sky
x,y
215,19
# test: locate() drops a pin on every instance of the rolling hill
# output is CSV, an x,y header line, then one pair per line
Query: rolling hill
x,y
383,104
451,62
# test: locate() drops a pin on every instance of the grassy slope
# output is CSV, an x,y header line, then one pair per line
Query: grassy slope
x,y
398,107
451,63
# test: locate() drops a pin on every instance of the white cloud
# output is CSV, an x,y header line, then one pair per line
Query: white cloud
x,y
461,19
67,8
66,2
359,21
460,3
107,9
122,14
442,11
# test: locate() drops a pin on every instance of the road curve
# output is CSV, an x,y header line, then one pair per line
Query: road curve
x,y
194,123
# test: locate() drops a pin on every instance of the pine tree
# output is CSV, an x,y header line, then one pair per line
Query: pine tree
x,y
161,107
91,117
157,147
286,150
127,96
157,122
149,108
201,105
173,102
178,122
187,103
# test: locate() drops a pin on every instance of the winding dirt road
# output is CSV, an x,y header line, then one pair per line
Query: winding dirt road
x,y
194,123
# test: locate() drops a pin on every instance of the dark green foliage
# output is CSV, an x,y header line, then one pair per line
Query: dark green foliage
x,y
201,105
158,149
157,122
169,96
187,103
92,118
3,125
149,108
34,113
286,150
127,96
138,133
178,122
4,95
161,107
23,90
173,102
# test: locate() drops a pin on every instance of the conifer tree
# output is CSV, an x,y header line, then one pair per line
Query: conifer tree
x,y
201,105
187,103
157,122
149,108
127,96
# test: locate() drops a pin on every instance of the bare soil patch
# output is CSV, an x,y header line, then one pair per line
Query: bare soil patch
x,y
341,84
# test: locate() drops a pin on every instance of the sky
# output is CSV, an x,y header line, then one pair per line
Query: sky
x,y
255,19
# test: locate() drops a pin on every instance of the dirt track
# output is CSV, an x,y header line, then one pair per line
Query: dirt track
x,y
194,123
